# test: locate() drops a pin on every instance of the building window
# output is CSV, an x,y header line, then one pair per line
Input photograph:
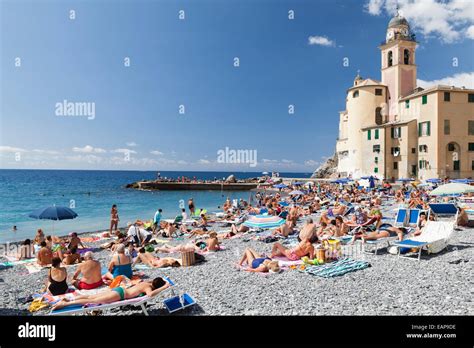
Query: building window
x,y
424,99
413,150
378,115
470,97
390,58
447,96
396,132
395,151
451,147
407,104
424,129
355,94
378,91
406,57
376,148
456,165
376,135
471,147
395,165
413,169
423,164
470,126
376,170
423,148
369,134
472,165
376,160
447,127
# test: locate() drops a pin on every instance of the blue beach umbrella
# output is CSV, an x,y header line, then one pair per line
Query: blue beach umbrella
x,y
280,186
296,193
298,183
462,181
405,179
434,180
264,221
53,213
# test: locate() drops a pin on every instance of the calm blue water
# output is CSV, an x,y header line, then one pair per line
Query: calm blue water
x,y
94,192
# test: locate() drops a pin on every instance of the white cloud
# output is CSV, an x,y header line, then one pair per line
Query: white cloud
x,y
46,152
266,160
88,149
204,161
457,80
311,163
123,151
91,159
374,7
286,161
156,152
131,144
321,40
11,149
448,20
470,32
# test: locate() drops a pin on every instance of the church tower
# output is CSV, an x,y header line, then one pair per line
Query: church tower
x,y
398,62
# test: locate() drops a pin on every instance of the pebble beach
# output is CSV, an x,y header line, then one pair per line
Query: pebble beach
x,y
439,284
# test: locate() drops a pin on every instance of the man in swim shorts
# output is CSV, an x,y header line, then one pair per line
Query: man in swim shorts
x,y
91,273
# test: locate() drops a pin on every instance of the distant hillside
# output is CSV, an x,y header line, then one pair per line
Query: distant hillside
x,y
328,169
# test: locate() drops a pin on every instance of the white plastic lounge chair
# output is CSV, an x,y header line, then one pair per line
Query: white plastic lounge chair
x,y
138,301
434,238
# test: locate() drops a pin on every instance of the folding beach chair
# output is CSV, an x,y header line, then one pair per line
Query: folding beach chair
x,y
445,210
434,238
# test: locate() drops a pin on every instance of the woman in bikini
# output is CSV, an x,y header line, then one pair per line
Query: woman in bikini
x,y
304,248
114,219
155,262
258,263
118,294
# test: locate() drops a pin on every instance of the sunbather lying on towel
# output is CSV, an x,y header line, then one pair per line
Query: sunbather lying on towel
x,y
118,294
176,249
285,229
257,263
386,231
304,248
155,262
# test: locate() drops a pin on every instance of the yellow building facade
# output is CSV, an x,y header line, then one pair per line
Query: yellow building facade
x,y
393,129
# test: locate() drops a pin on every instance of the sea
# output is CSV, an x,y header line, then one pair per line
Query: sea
x,y
91,193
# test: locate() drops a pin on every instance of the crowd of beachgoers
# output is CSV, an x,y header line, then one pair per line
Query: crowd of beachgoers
x,y
237,260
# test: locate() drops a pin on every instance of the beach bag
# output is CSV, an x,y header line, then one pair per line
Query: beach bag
x,y
333,249
188,258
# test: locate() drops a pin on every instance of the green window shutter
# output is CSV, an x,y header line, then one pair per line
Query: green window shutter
x,y
399,132
428,130
424,99
368,135
376,134
376,170
407,104
392,131
419,129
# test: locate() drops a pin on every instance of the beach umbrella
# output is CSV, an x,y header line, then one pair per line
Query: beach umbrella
x,y
434,180
368,177
265,173
298,183
296,193
53,213
405,179
264,221
283,204
462,181
280,186
454,188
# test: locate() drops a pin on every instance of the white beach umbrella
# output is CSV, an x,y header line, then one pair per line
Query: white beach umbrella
x,y
452,189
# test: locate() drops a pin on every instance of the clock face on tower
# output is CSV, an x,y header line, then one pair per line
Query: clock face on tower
x,y
389,34
405,31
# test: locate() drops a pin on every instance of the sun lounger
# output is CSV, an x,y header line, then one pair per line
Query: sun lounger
x,y
445,210
434,238
138,301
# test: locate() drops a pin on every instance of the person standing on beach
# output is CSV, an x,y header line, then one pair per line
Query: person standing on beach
x,y
191,206
157,219
114,218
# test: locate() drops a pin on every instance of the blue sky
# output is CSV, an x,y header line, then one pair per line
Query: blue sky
x,y
190,62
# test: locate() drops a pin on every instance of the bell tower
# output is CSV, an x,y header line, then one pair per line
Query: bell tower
x,y
398,62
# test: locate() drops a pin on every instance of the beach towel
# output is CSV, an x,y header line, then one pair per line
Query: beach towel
x,y
34,267
90,239
285,262
337,268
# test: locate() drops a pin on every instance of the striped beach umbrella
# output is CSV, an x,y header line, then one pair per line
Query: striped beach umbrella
x,y
264,221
